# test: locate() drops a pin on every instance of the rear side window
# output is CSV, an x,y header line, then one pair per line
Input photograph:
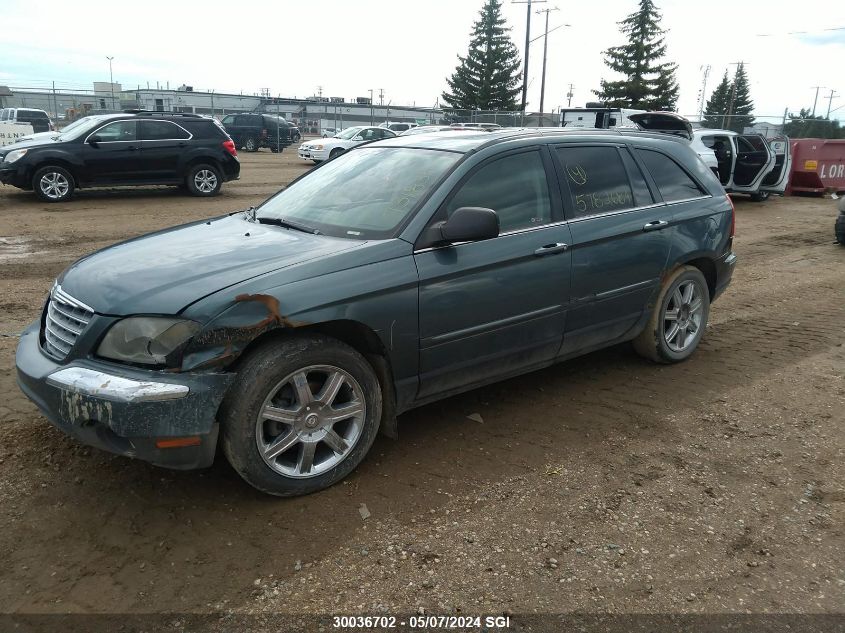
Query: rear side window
x,y
515,187
162,130
671,179
30,116
204,128
597,179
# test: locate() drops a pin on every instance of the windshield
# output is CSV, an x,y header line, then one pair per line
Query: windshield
x,y
364,194
349,132
85,125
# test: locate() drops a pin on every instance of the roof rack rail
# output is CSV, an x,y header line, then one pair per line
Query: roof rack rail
x,y
162,113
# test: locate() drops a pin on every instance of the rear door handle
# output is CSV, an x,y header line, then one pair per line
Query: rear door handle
x,y
551,249
132,148
656,225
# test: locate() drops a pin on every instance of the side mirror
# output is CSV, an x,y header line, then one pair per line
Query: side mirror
x,y
93,140
358,138
470,224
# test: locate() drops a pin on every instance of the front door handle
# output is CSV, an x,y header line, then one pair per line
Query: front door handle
x,y
132,148
551,249
656,225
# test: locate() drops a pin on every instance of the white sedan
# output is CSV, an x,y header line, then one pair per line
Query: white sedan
x,y
325,148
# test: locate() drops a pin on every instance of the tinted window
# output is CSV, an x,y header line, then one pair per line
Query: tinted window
x,y
161,130
245,119
751,143
515,187
642,194
229,120
672,181
597,179
118,131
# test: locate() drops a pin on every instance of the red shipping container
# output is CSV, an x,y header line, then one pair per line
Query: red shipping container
x,y
818,165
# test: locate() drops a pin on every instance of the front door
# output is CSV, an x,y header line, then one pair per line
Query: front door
x,y
754,160
492,308
162,144
620,243
117,155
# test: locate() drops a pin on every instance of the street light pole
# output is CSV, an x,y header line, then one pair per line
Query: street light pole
x,y
372,120
111,82
545,54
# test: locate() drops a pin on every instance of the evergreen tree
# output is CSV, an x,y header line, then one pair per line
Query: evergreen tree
x,y
717,105
730,106
488,77
649,82
743,106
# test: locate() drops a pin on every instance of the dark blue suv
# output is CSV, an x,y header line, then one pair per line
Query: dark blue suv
x,y
399,273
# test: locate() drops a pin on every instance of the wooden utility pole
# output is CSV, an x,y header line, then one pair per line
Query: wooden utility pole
x,y
527,43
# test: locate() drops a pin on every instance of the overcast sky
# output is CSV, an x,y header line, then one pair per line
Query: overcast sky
x,y
408,48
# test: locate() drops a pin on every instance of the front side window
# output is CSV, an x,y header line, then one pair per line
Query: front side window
x,y
118,131
597,179
349,133
363,194
515,187
672,181
162,130
228,120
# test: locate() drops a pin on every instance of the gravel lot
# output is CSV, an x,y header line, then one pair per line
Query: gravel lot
x,y
602,484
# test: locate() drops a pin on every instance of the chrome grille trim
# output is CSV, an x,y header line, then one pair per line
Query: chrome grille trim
x,y
65,320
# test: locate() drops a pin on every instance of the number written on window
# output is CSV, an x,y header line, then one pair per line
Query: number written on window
x,y
597,179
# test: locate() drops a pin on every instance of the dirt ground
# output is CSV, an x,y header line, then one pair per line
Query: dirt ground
x,y
602,484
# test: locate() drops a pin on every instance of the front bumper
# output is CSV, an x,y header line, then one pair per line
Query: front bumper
x,y
724,272
11,175
313,154
128,411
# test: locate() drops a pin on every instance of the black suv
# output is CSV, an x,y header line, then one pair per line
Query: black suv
x,y
134,148
253,131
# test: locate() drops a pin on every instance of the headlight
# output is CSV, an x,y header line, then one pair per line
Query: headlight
x,y
318,147
12,156
147,340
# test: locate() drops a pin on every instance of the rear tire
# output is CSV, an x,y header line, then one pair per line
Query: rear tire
x,y
53,184
840,229
203,180
280,423
760,196
678,320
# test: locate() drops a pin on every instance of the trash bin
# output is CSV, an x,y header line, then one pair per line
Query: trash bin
x,y
818,165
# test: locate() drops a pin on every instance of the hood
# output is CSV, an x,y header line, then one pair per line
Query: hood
x,y
665,122
331,141
38,136
26,144
164,272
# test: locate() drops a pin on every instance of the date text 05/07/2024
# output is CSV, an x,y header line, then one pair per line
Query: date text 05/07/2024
x,y
465,622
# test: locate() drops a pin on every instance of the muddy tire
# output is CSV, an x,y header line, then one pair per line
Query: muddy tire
x,y
301,414
53,184
840,228
678,320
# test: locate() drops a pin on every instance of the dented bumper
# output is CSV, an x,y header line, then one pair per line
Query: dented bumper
x,y
125,410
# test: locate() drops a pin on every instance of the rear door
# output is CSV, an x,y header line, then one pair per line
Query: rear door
x,y
754,160
621,235
162,143
777,179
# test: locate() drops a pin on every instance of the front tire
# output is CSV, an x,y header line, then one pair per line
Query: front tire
x,y
204,180
251,145
679,318
53,184
337,151
301,414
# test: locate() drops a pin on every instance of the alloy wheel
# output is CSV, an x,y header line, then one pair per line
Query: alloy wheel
x,y
205,181
682,317
54,185
310,421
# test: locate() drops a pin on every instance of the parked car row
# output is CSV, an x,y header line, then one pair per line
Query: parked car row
x,y
323,149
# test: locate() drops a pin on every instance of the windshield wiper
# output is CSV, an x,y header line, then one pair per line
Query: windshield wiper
x,y
290,225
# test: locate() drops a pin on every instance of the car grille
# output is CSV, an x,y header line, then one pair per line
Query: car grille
x,y
66,319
